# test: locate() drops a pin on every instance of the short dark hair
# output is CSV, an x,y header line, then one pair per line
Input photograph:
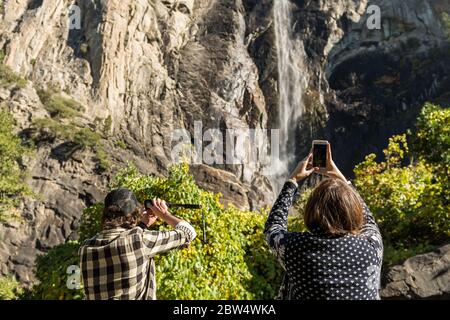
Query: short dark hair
x,y
334,208
113,218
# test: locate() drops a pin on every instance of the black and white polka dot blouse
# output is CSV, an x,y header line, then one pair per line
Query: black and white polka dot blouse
x,y
322,267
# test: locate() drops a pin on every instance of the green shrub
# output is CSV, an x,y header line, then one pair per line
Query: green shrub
x,y
432,140
405,199
12,175
90,222
10,288
54,128
58,106
397,254
9,77
84,137
107,126
87,138
234,263
121,144
61,109
445,18
411,201
51,273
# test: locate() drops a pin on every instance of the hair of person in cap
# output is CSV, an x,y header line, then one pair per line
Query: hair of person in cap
x,y
122,210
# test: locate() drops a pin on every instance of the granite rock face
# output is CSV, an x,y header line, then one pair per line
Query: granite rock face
x,y
425,276
148,68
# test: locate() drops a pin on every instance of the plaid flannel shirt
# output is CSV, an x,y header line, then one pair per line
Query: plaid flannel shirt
x,y
118,263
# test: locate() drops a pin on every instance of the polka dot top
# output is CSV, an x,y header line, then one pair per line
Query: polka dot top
x,y
319,266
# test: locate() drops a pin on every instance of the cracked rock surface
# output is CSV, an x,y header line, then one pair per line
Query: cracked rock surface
x,y
150,67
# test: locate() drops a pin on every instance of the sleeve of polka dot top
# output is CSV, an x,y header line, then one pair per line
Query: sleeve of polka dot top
x,y
370,229
275,230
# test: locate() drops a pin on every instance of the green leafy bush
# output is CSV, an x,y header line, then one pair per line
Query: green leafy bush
x,y
411,201
91,222
432,141
12,185
58,106
234,263
445,18
9,77
51,273
63,123
107,125
84,137
121,144
10,288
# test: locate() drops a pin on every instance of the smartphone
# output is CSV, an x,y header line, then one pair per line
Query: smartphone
x,y
320,153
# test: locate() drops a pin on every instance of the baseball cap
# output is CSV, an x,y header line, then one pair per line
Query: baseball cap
x,y
124,199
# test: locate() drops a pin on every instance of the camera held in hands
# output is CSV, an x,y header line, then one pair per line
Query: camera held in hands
x,y
148,204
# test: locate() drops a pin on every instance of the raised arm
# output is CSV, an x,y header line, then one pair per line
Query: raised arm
x,y
370,230
275,230
162,241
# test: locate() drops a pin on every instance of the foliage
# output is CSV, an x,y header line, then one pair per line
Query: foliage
x,y
445,18
121,144
61,109
397,254
10,288
91,221
406,197
12,185
58,106
51,272
234,263
411,200
85,137
9,77
107,125
432,141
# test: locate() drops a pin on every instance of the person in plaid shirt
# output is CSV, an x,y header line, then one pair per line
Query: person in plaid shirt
x,y
117,263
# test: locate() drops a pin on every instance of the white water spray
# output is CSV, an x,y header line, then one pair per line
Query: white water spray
x,y
292,82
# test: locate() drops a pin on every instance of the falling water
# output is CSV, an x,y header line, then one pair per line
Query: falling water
x,y
292,82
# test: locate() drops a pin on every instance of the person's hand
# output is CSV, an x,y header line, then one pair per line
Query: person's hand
x,y
159,208
331,169
148,218
303,169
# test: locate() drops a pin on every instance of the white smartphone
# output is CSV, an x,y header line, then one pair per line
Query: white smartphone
x,y
320,153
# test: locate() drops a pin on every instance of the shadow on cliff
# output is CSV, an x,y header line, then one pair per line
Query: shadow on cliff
x,y
380,80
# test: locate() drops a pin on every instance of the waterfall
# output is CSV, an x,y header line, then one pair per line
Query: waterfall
x,y
292,82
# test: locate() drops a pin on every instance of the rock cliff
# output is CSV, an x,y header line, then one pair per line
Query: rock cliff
x,y
425,276
140,69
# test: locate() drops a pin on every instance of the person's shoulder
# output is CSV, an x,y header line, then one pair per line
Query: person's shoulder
x,y
132,232
361,242
89,242
298,237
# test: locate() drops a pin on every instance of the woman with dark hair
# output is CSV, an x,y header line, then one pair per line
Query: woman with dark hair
x,y
340,256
